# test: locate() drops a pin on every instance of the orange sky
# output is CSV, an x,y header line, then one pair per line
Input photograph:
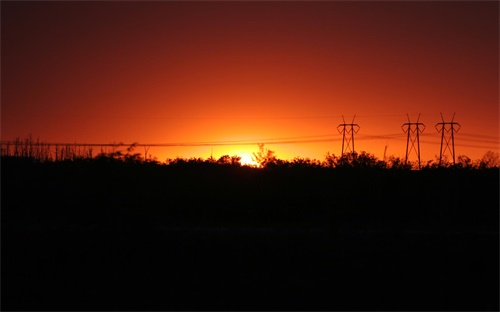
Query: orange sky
x,y
183,72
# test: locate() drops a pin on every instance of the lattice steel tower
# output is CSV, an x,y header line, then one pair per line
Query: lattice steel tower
x,y
448,128
348,131
413,129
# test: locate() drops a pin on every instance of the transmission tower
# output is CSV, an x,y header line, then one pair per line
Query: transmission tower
x,y
413,129
348,131
449,128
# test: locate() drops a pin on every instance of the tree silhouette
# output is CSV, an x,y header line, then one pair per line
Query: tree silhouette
x,y
264,157
490,160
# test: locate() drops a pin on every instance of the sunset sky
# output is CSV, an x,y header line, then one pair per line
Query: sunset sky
x,y
229,73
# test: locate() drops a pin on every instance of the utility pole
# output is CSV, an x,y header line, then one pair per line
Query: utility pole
x,y
449,128
413,129
350,130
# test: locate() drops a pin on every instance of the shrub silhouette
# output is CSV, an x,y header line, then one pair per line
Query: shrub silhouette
x,y
229,160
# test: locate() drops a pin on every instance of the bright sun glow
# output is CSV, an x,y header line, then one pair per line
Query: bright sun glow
x,y
246,160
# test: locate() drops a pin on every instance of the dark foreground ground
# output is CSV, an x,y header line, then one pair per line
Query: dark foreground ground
x,y
79,236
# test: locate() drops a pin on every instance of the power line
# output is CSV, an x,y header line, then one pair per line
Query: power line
x,y
190,144
280,140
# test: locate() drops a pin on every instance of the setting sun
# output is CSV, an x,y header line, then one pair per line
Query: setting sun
x,y
247,160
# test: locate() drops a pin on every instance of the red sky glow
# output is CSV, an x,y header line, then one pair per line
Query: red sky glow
x,y
281,73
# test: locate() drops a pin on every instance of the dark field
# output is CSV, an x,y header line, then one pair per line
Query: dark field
x,y
97,235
